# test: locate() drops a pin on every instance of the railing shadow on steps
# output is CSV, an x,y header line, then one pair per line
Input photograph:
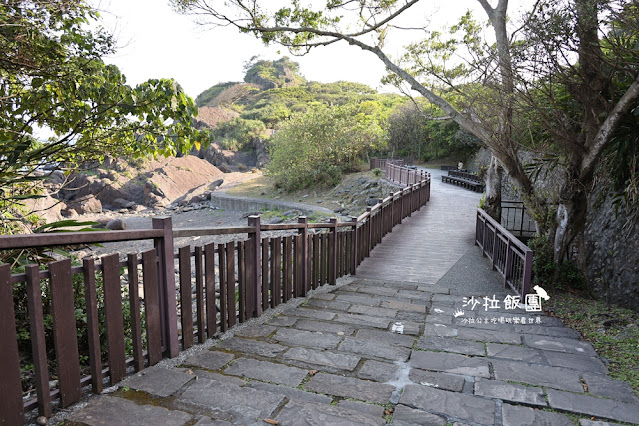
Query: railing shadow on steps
x,y
232,282
509,256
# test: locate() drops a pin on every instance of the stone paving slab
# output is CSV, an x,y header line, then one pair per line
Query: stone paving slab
x,y
450,363
540,375
586,422
405,416
373,349
296,413
290,393
207,421
559,344
449,382
264,349
158,381
379,291
404,306
371,310
375,411
334,305
324,327
465,407
267,371
363,320
410,316
598,407
254,331
537,330
515,415
576,362
340,361
488,336
605,386
386,337
282,321
440,330
311,313
448,344
529,395
210,360
358,298
349,387
378,371
230,402
311,339
515,353
122,412
219,377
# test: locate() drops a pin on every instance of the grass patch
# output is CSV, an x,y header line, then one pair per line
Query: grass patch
x,y
613,331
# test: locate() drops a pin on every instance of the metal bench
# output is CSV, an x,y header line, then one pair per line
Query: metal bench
x,y
465,180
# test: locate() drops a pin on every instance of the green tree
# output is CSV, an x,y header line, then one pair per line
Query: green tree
x,y
53,82
315,147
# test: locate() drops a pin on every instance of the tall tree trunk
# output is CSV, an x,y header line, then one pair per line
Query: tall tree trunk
x,y
570,223
492,202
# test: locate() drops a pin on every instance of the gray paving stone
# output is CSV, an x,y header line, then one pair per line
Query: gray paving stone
x,y
560,344
359,298
282,321
404,416
586,422
450,363
440,330
267,371
403,306
410,316
605,386
424,296
312,339
207,421
379,291
311,313
488,336
465,407
210,360
515,353
219,377
369,349
576,362
349,387
446,298
437,380
449,344
121,412
334,305
409,327
510,392
370,409
541,330
158,381
539,375
372,310
301,414
439,319
598,407
386,337
324,327
378,371
515,415
290,393
265,349
363,320
323,296
230,402
323,358
256,331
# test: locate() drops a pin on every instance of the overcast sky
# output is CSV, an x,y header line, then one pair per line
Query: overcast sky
x,y
155,42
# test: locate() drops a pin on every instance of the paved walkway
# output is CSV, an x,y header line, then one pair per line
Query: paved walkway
x,y
383,351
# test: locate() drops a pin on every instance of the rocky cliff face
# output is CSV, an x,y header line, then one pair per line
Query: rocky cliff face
x,y
612,246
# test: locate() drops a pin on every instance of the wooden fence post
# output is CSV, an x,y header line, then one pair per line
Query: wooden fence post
x,y
528,263
166,285
304,231
333,258
354,254
253,287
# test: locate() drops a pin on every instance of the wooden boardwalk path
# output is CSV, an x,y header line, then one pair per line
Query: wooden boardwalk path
x,y
427,244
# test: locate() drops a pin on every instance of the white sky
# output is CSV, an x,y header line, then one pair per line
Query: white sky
x,y
155,42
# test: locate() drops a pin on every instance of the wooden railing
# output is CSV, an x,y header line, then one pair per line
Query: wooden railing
x,y
251,274
510,257
515,218
380,163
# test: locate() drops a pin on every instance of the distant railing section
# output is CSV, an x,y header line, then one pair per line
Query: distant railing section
x,y
515,218
380,163
509,256
243,278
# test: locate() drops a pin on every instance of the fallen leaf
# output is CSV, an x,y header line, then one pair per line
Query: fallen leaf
x,y
340,333
389,411
189,371
313,372
271,421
